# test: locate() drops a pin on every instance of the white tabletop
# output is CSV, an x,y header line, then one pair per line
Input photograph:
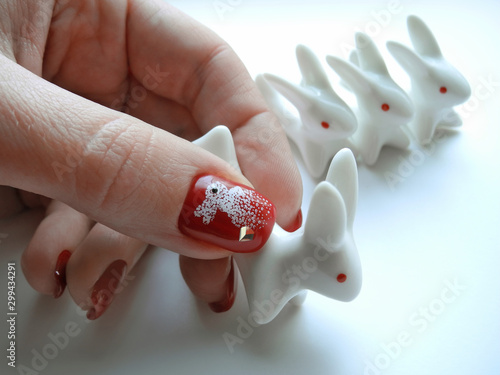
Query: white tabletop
x,y
429,244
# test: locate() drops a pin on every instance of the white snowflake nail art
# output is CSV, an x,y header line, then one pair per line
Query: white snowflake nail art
x,y
244,207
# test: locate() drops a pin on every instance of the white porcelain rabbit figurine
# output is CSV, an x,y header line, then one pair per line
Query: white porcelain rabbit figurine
x,y
321,256
383,106
437,86
326,121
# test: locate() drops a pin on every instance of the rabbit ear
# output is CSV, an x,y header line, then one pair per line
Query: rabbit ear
x,y
409,60
343,174
370,58
299,97
422,38
351,74
326,220
270,95
312,72
219,142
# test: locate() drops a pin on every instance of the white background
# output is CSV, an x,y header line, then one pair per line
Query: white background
x,y
438,226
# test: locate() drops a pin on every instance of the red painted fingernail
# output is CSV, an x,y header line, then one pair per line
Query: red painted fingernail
x,y
60,273
227,302
105,288
297,223
230,215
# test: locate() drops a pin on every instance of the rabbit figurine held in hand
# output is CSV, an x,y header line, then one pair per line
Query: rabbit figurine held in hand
x,y
321,256
326,121
383,107
437,86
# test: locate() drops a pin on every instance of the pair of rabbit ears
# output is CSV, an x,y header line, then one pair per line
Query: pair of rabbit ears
x,y
313,76
367,58
333,204
425,47
366,62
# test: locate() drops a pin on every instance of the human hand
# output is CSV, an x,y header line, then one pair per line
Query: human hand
x,y
96,100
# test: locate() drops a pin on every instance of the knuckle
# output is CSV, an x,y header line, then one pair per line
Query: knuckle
x,y
114,166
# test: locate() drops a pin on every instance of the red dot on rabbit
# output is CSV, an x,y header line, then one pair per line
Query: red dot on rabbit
x,y
341,277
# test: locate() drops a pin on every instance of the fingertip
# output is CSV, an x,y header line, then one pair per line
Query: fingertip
x,y
295,223
60,273
35,264
227,300
212,281
106,287
99,269
226,214
45,258
267,161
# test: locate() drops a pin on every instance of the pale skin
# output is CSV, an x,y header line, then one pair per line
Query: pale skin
x,y
110,91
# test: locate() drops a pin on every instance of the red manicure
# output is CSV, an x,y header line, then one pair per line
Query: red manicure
x,y
105,288
296,224
60,273
227,302
230,215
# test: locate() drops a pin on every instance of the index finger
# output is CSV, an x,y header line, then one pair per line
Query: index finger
x,y
202,73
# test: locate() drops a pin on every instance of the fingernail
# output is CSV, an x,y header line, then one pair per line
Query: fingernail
x,y
227,302
230,215
105,288
60,273
297,223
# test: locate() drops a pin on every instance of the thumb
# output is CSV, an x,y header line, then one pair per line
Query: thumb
x,y
132,177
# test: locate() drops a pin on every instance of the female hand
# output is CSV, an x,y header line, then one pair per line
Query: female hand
x,y
99,101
